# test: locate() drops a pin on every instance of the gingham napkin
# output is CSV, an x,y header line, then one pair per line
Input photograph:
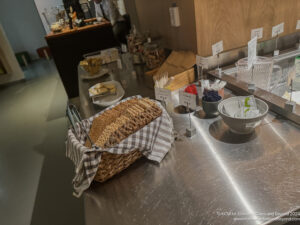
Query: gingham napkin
x,y
153,140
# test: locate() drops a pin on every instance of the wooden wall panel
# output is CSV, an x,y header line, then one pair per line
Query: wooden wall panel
x,y
232,21
154,16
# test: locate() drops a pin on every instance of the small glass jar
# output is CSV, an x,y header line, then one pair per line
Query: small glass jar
x,y
153,55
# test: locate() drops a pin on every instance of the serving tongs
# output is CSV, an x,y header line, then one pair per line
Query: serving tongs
x,y
74,117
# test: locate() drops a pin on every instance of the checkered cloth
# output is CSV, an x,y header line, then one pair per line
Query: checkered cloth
x,y
153,140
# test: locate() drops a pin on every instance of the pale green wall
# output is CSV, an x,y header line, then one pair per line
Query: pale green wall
x,y
22,25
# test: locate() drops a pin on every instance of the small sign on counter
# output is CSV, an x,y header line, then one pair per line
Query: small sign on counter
x,y
217,48
258,32
202,62
188,100
278,29
163,94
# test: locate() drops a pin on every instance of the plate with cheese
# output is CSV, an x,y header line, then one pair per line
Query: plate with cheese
x,y
106,93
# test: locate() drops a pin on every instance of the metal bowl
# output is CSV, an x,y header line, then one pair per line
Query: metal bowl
x,y
242,125
211,108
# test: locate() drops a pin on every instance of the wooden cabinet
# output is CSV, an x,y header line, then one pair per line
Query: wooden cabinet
x,y
232,21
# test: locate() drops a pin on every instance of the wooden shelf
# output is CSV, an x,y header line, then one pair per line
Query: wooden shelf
x,y
68,31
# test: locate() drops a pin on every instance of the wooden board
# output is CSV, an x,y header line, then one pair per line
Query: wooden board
x,y
182,79
232,21
177,62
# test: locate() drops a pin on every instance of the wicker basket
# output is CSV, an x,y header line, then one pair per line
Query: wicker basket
x,y
109,129
112,164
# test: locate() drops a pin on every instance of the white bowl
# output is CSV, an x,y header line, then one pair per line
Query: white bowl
x,y
242,125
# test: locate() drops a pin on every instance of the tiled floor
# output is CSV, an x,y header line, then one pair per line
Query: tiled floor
x,y
35,175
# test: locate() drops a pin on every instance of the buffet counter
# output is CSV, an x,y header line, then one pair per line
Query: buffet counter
x,y
216,177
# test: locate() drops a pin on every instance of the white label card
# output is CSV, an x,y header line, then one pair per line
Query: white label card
x,y
252,51
163,94
298,25
202,62
175,16
278,29
187,99
258,32
124,47
217,48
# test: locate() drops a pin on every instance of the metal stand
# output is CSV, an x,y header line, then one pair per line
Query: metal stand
x,y
164,104
290,106
219,70
276,51
190,132
251,86
200,72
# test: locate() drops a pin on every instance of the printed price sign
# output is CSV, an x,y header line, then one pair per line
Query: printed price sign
x,y
187,99
298,25
252,52
257,33
163,94
217,48
202,62
278,29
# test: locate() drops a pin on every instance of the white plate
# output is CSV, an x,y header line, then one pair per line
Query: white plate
x,y
110,99
101,73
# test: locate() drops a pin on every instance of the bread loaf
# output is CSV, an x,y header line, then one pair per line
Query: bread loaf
x,y
116,124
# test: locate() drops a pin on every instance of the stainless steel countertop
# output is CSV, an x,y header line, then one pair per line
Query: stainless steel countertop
x,y
203,180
